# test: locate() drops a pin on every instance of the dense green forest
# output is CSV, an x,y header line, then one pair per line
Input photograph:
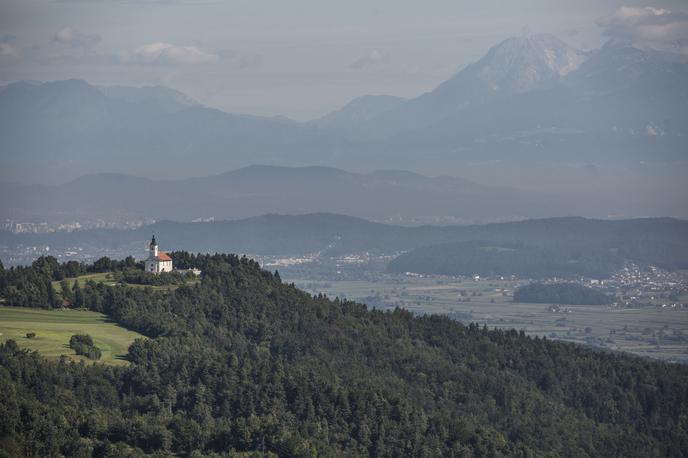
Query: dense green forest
x,y
561,293
243,363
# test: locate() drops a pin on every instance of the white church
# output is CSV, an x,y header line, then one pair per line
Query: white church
x,y
157,261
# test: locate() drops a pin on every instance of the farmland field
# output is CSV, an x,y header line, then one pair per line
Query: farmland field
x,y
53,329
650,331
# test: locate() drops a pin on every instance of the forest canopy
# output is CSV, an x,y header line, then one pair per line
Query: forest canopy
x,y
242,362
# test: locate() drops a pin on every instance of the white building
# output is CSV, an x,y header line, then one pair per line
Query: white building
x,y
157,261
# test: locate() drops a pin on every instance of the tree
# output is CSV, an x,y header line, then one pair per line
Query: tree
x,y
53,299
82,344
66,291
103,264
72,269
48,266
78,295
3,279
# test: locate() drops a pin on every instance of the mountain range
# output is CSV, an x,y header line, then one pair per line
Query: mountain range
x,y
394,196
383,195
529,99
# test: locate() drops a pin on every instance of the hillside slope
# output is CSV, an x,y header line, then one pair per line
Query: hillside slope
x,y
244,363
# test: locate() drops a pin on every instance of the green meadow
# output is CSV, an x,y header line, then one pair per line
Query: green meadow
x,y
108,279
105,277
53,329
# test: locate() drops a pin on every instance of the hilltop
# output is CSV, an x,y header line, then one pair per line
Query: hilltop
x,y
243,362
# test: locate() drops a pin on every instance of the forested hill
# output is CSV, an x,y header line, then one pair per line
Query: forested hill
x,y
244,363
573,241
564,247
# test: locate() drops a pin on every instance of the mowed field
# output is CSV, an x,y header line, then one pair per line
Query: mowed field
x,y
53,329
655,332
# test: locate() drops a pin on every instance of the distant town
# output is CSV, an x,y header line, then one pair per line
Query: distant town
x,y
25,227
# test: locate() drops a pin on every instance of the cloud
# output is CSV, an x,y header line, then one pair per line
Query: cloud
x,y
7,48
227,54
656,27
161,53
373,58
70,46
238,60
250,60
591,170
69,36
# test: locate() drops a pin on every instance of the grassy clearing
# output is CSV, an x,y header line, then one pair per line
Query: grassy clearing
x,y
53,329
104,277
107,278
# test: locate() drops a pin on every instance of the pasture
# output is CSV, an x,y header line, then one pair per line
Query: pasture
x,y
53,329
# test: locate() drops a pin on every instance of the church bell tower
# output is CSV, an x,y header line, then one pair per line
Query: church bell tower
x,y
153,248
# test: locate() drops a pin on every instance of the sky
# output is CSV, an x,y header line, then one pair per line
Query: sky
x,y
299,58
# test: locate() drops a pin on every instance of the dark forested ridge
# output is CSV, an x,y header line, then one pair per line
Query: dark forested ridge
x,y
244,363
531,248
563,247
561,293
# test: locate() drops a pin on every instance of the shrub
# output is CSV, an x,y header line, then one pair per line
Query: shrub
x,y
81,339
82,344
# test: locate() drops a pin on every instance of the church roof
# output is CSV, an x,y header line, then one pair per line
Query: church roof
x,y
162,256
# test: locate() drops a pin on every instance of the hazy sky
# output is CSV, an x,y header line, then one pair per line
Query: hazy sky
x,y
297,58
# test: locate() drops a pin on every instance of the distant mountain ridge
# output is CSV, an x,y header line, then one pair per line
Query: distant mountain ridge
x,y
359,111
66,126
514,66
534,93
650,241
259,189
529,100
164,99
